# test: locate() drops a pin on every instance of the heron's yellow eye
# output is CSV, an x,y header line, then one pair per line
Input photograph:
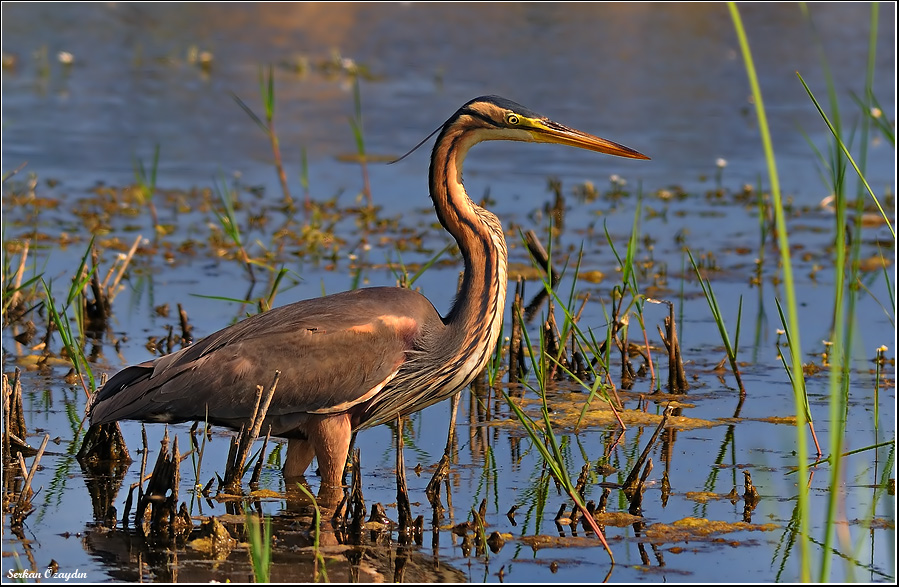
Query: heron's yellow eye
x,y
512,118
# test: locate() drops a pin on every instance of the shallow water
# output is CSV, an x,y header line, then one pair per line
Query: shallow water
x,y
664,79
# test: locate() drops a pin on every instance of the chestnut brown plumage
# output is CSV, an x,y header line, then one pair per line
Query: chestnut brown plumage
x,y
358,358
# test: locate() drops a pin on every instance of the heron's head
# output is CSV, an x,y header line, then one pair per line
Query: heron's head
x,y
495,118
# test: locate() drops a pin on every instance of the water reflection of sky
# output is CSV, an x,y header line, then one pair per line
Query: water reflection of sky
x,y
666,79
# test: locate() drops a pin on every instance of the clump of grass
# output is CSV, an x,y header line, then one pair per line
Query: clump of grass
x,y
228,221
16,292
730,348
792,315
401,271
545,440
619,321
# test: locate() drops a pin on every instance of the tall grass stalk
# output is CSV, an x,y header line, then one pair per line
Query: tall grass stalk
x,y
789,292
74,349
146,185
845,150
260,548
845,292
806,407
359,136
267,93
74,345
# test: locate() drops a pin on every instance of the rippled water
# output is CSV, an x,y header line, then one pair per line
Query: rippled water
x,y
666,79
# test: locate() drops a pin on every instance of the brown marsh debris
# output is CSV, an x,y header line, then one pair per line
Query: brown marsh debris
x,y
567,408
697,529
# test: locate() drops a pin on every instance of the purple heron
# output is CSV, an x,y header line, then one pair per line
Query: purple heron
x,y
358,358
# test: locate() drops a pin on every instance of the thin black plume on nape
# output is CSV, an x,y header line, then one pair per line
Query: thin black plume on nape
x,y
436,130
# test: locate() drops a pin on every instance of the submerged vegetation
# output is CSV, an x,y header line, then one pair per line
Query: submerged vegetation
x,y
590,385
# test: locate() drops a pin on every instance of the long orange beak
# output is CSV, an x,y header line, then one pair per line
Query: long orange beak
x,y
547,131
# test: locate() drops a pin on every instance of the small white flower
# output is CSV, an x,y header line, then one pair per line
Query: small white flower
x,y
876,112
780,331
65,57
721,162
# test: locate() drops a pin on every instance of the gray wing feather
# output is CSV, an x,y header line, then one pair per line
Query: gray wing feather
x,y
331,351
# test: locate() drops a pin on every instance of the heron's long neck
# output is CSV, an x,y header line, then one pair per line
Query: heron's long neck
x,y
480,302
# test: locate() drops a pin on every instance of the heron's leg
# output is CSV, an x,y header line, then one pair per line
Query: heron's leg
x,y
330,436
299,455
443,466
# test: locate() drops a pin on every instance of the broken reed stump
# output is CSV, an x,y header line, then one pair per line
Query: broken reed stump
x,y
187,336
257,470
620,336
240,445
516,356
160,482
677,377
541,257
158,516
14,431
631,484
23,505
751,497
99,310
635,507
